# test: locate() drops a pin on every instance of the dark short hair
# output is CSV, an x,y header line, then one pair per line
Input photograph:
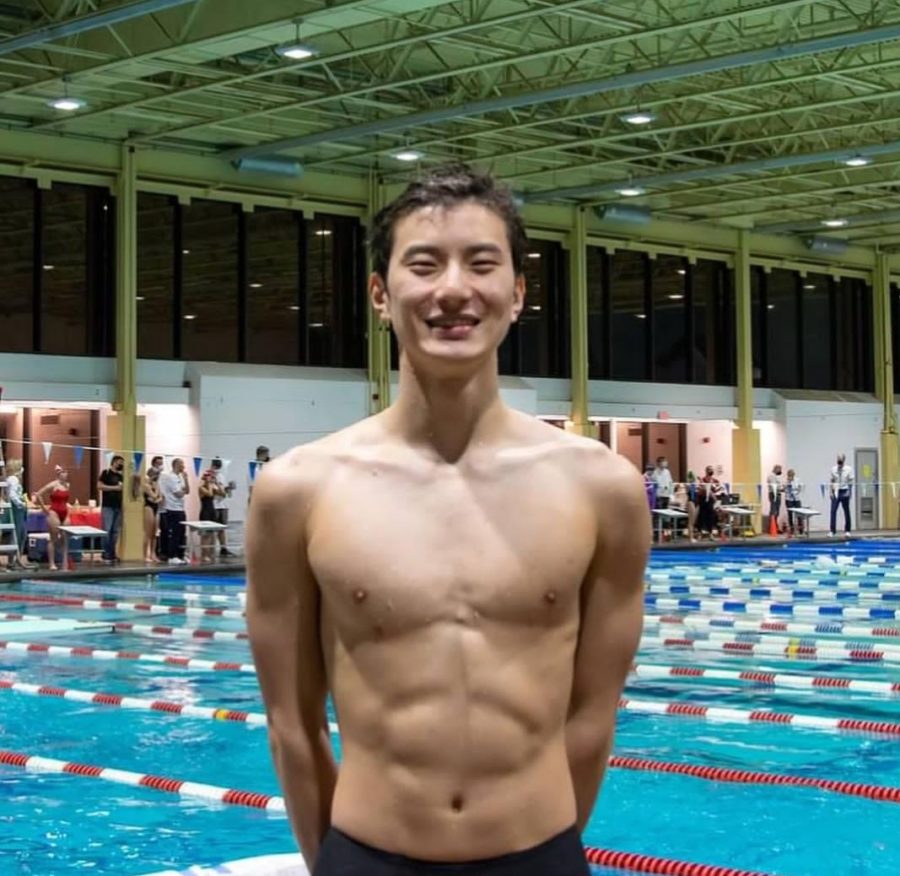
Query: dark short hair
x,y
262,449
448,186
216,463
117,456
155,460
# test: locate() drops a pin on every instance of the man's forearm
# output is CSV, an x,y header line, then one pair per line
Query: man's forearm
x,y
588,750
307,774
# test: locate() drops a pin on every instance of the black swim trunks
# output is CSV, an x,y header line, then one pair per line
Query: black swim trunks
x,y
341,855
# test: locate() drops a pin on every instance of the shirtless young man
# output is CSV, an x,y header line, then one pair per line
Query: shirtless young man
x,y
465,580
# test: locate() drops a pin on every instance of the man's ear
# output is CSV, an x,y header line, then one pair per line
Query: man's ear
x,y
378,294
518,297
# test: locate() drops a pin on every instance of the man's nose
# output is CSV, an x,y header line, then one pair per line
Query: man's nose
x,y
453,289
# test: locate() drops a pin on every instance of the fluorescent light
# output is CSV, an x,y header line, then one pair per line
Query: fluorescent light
x,y
675,297
190,316
809,285
294,307
297,51
409,155
256,285
139,298
534,307
49,267
770,307
185,252
630,191
67,104
834,223
639,117
681,272
534,255
317,325
641,315
857,161
323,232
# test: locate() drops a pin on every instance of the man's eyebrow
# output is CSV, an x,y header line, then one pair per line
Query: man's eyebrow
x,y
477,248
420,249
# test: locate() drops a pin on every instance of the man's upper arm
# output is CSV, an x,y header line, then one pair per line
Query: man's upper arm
x,y
283,606
612,599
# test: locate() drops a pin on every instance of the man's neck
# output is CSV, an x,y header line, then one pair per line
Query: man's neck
x,y
447,415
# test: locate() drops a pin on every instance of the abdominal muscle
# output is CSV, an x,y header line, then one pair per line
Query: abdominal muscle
x,y
453,740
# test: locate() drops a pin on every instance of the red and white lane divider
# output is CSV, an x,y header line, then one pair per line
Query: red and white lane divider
x,y
692,622
798,610
890,652
113,605
882,793
802,595
215,713
722,715
101,654
195,633
795,651
786,680
35,764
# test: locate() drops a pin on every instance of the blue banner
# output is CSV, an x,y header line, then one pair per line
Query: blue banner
x,y
253,466
137,458
78,450
198,464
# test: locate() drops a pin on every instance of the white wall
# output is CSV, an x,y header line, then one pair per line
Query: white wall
x,y
709,443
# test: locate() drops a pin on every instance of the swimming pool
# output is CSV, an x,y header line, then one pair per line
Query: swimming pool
x,y
712,668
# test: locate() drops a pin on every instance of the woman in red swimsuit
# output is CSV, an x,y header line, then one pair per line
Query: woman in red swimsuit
x,y
57,494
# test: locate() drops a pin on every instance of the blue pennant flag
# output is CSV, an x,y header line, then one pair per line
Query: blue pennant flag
x,y
692,492
822,488
727,488
78,450
198,464
759,492
253,465
137,458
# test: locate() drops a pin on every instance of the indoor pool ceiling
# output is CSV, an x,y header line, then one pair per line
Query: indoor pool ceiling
x,y
754,107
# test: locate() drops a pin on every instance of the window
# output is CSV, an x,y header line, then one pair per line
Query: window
x,y
17,198
273,286
853,335
156,276
782,322
712,338
816,333
598,313
209,260
669,325
628,306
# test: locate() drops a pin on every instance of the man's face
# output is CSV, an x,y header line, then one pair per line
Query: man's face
x,y
451,291
709,471
178,466
118,465
778,469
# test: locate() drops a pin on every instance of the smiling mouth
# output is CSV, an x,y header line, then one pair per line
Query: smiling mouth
x,y
446,322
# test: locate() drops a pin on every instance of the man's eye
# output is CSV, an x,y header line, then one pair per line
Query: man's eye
x,y
421,267
484,265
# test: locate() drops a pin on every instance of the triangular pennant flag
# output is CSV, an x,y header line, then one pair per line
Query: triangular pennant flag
x,y
876,485
137,458
198,464
727,488
48,446
692,492
822,488
108,455
78,450
225,464
252,465
759,492
865,490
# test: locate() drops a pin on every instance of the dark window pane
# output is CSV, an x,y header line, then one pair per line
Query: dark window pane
x,y
64,298
273,286
320,290
598,302
668,278
757,323
782,322
17,259
713,322
629,318
210,282
155,276
817,332
853,329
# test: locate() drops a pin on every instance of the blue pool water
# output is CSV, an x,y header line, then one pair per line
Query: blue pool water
x,y
64,824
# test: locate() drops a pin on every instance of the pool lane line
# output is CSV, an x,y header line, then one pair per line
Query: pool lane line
x,y
694,622
715,713
785,680
781,594
73,589
890,653
783,652
103,654
194,633
113,605
789,609
35,764
725,715
764,579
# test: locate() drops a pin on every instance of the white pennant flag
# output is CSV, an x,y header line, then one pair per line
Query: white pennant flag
x,y
108,455
48,446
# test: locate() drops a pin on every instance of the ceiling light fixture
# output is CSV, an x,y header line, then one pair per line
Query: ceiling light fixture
x,y
256,285
65,103
294,307
641,315
675,297
534,255
323,232
639,117
857,161
681,272
49,267
317,325
409,155
834,223
631,191
297,51
809,285
139,298
190,316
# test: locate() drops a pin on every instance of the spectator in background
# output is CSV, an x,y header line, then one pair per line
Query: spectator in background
x,y
775,490
792,490
262,457
53,499
110,486
207,491
662,478
709,495
221,497
18,507
174,487
152,499
650,486
841,483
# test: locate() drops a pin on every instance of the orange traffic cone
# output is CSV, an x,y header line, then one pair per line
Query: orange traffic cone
x,y
773,526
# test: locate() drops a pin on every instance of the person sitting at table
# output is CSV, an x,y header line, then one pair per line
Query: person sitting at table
x,y
152,498
208,490
56,493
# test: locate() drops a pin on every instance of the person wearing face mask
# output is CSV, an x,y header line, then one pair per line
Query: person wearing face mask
x,y
775,488
662,478
841,484
110,486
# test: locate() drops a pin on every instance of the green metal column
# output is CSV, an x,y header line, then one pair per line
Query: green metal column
x,y
378,332
884,390
125,429
578,319
745,450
